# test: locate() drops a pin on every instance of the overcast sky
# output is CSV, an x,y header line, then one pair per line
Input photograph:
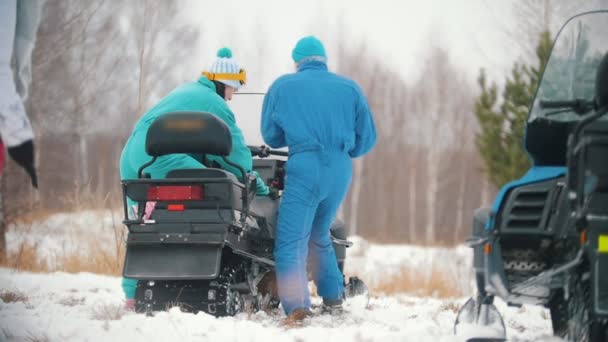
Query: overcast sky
x,y
399,32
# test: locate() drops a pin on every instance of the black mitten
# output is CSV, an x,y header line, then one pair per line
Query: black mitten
x,y
24,156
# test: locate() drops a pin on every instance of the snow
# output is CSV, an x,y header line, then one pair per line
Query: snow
x,y
68,234
375,263
89,307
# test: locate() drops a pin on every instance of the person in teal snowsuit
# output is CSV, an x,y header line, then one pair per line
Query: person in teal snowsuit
x,y
324,120
208,94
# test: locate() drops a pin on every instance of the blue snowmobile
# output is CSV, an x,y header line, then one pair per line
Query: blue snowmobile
x,y
545,239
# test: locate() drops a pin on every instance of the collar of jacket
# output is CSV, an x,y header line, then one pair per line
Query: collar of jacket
x,y
312,65
205,82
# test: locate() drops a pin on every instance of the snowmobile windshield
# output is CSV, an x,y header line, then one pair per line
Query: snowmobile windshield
x,y
247,109
571,69
569,77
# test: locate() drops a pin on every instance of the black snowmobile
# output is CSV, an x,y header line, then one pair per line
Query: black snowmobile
x,y
545,240
208,243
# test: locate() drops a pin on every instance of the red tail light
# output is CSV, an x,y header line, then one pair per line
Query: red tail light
x,y
176,207
175,193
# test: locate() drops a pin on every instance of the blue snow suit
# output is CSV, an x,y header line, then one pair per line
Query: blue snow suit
x,y
198,96
324,120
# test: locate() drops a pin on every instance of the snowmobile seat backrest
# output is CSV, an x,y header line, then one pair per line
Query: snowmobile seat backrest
x,y
601,83
188,132
201,173
546,141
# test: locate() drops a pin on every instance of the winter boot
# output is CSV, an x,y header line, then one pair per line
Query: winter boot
x,y
129,305
332,307
296,317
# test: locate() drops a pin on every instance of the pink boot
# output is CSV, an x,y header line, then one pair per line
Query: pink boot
x,y
130,304
150,206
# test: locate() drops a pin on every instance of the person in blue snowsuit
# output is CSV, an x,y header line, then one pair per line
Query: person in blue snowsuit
x,y
324,120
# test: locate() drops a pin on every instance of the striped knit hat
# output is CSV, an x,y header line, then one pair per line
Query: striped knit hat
x,y
226,70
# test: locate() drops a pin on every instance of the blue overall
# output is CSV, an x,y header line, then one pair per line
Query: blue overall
x,y
324,120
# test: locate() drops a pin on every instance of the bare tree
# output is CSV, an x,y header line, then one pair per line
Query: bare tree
x,y
157,25
416,183
532,17
90,76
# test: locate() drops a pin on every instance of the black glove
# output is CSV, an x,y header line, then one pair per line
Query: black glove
x,y
264,151
24,156
274,193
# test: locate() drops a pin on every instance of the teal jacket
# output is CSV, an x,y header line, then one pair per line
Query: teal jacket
x,y
194,96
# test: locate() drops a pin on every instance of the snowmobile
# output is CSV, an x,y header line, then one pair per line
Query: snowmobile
x,y
208,243
545,240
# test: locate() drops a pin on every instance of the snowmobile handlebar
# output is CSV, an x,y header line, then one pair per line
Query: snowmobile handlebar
x,y
265,151
579,106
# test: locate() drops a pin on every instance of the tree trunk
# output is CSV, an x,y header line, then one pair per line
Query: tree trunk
x,y
84,162
485,191
462,193
142,61
3,223
431,197
412,196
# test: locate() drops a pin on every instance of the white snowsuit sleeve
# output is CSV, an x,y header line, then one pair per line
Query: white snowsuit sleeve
x,y
15,126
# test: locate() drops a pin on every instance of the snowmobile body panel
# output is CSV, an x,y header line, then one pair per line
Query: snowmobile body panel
x,y
521,245
172,261
534,175
592,176
181,239
598,255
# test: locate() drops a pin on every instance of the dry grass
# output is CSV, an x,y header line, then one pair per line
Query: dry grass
x,y
28,258
83,196
72,301
450,306
108,312
7,335
33,216
98,261
25,258
432,283
437,243
8,296
37,338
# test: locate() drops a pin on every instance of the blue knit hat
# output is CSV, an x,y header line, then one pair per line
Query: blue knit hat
x,y
308,47
226,70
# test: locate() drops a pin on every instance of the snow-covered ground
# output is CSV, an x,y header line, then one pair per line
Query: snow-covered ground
x,y
376,263
67,234
88,307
